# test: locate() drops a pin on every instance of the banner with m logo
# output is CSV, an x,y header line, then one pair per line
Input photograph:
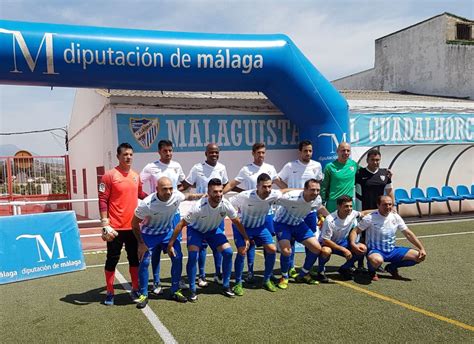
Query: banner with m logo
x,y
39,245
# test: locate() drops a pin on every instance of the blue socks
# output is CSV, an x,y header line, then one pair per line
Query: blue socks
x,y
176,267
143,274
218,261
270,259
251,257
239,268
155,264
226,266
309,261
292,256
322,263
191,269
284,265
202,262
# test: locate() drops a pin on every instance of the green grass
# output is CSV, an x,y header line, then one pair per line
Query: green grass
x,y
66,308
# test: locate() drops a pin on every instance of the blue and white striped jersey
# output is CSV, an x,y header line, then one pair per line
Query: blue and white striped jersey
x,y
203,218
155,170
293,208
337,229
381,230
253,209
248,175
295,173
157,215
201,173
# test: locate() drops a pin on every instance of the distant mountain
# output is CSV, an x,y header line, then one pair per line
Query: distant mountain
x,y
10,150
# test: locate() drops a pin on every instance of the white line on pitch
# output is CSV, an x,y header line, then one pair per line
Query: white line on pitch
x,y
438,235
164,333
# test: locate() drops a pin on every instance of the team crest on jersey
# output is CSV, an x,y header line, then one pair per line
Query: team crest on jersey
x,y
222,213
135,179
383,178
145,130
351,168
102,187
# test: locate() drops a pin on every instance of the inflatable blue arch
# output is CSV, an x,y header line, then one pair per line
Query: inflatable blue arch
x,y
94,57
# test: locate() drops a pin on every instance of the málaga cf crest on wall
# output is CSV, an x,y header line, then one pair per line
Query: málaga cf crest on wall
x,y
144,130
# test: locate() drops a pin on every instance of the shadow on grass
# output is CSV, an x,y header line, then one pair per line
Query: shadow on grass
x,y
97,295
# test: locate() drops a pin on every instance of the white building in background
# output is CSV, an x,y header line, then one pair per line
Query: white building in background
x,y
102,119
425,140
433,57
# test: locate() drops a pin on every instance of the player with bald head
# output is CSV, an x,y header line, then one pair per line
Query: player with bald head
x,y
156,215
165,166
199,177
339,177
381,227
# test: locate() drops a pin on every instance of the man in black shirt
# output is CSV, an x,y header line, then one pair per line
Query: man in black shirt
x,y
372,181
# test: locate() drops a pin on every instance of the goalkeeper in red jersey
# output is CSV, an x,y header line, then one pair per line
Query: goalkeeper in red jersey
x,y
119,191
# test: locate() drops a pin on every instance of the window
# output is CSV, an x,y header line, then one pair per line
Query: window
x,y
100,170
84,182
74,181
463,31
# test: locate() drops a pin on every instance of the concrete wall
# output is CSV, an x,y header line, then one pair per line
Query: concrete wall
x,y
90,145
419,60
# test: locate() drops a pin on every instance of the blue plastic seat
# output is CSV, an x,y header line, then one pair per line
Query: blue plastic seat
x,y
401,197
448,192
463,191
419,196
433,194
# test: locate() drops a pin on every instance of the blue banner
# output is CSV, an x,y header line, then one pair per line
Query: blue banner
x,y
39,245
411,128
193,132
93,57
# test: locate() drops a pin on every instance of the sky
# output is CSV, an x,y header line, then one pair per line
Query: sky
x,y
337,36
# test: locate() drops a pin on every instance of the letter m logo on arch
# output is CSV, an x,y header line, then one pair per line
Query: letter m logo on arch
x,y
42,246
334,140
29,55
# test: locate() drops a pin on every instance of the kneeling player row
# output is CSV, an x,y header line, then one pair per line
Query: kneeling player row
x,y
249,211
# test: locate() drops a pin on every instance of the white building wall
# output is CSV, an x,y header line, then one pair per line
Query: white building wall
x,y
419,60
93,133
93,130
89,143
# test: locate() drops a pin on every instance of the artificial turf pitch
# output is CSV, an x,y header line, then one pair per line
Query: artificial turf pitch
x,y
67,308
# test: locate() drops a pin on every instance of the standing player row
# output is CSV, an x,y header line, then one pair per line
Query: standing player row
x,y
293,174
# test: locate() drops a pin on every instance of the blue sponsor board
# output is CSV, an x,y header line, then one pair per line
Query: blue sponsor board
x,y
92,57
39,245
193,132
411,128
